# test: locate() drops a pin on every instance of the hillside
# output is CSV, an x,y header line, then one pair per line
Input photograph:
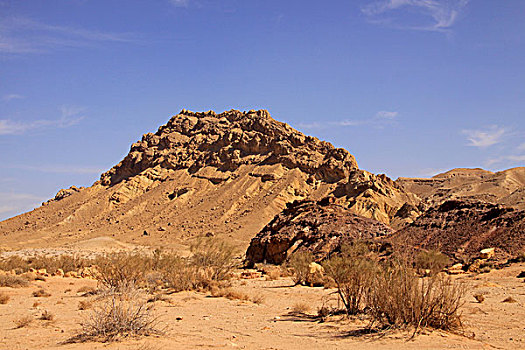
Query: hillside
x,y
224,174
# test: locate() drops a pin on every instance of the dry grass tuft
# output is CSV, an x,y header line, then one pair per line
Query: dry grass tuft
x,y
47,316
229,293
41,293
85,304
4,298
301,308
117,318
258,298
12,281
23,322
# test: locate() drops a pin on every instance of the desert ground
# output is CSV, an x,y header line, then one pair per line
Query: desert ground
x,y
265,313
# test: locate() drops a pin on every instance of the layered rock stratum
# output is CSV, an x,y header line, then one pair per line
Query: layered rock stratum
x,y
204,173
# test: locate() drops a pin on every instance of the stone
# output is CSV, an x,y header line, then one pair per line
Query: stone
x,y
487,253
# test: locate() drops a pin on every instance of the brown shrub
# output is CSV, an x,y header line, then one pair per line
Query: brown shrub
x,y
12,281
301,308
23,322
300,262
4,298
352,271
115,319
432,260
85,304
399,298
41,293
47,316
118,270
213,257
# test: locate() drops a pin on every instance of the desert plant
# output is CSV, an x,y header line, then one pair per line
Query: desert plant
x,y
116,318
41,293
399,298
352,271
119,270
12,281
432,260
213,257
301,308
85,304
23,321
4,298
300,263
47,316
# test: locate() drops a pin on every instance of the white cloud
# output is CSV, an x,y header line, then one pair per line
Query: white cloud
x,y
10,97
485,138
438,15
16,203
21,35
517,158
180,3
521,147
380,119
70,115
59,169
386,115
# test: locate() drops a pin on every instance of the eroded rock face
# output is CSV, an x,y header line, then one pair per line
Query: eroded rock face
x,y
462,228
228,140
320,227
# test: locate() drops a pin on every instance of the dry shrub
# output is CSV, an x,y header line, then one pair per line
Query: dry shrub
x,y
229,293
352,271
41,293
213,257
258,298
23,322
301,308
300,263
398,298
47,316
118,270
117,318
87,291
432,260
12,281
50,263
85,304
4,298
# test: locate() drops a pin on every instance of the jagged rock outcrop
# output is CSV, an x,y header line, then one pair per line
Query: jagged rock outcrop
x,y
224,174
320,227
462,228
63,193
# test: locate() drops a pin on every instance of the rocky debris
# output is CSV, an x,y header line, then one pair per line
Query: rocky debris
x,y
64,193
320,227
466,230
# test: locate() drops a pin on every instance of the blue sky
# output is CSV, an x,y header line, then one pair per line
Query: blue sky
x,y
410,87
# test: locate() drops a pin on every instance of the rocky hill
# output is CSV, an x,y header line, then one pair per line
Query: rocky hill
x,y
461,228
320,227
505,187
224,174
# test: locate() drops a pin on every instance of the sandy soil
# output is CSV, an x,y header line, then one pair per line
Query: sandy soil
x,y
198,321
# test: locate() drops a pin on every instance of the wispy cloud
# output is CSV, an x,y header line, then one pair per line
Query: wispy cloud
x,y
429,15
16,203
180,3
485,138
70,115
10,97
22,35
59,169
521,148
380,119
